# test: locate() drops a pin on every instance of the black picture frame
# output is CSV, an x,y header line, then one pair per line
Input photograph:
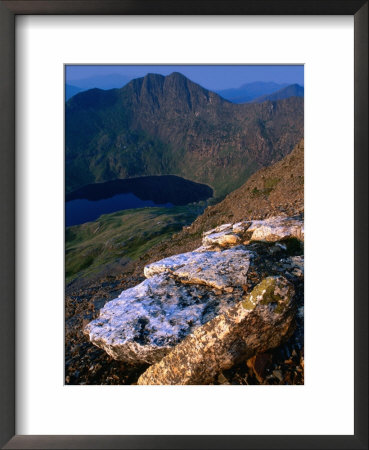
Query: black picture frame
x,y
8,11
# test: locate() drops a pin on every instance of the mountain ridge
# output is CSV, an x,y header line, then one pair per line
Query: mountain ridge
x,y
169,125
249,91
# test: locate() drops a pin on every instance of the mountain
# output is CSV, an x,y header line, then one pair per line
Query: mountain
x,y
169,125
71,90
294,90
109,81
249,91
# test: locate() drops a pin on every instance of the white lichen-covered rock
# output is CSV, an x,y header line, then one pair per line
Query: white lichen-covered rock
x,y
216,269
276,229
258,323
145,322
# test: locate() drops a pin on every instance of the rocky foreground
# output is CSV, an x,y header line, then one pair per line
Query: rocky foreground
x,y
200,315
274,191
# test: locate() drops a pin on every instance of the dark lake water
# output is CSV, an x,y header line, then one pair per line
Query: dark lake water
x,y
90,202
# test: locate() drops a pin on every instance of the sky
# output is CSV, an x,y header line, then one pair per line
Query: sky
x,y
214,77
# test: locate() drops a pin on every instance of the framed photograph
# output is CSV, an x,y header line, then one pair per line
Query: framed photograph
x,y
170,175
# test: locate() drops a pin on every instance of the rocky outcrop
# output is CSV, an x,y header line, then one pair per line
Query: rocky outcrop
x,y
182,293
254,325
272,229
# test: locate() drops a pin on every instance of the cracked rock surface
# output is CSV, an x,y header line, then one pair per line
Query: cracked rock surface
x,y
144,323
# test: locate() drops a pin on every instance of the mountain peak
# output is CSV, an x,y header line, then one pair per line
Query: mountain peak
x,y
178,75
152,75
173,92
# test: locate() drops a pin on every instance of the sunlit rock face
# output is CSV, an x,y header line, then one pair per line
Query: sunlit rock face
x,y
215,269
184,292
223,239
273,229
276,229
258,323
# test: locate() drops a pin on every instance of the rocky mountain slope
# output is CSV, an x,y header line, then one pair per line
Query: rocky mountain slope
x,y
273,191
160,125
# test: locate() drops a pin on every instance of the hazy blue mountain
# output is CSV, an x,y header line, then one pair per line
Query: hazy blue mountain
x,y
111,81
71,90
249,91
294,90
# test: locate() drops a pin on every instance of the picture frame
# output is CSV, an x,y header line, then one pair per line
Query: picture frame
x,y
8,11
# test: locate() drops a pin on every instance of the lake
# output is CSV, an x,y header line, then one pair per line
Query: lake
x,y
90,202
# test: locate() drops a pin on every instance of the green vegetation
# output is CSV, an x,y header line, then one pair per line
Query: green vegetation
x,y
256,192
264,293
269,185
115,238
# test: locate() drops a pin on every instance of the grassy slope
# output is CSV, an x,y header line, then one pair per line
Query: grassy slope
x,y
116,238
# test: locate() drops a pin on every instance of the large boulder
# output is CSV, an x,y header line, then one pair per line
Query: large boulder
x,y
180,294
259,322
145,322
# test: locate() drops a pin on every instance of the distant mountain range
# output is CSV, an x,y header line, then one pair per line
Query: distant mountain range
x,y
110,81
71,90
246,93
250,91
294,90
161,125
